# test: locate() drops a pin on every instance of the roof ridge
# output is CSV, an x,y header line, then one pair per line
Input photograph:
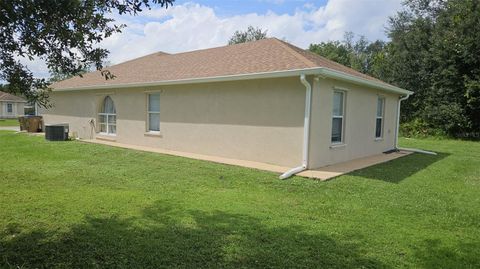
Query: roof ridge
x,y
295,53
144,56
223,46
190,51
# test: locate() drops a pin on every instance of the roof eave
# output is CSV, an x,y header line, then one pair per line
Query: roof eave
x,y
364,82
275,74
14,101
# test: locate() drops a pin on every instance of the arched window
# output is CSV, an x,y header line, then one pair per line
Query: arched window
x,y
107,118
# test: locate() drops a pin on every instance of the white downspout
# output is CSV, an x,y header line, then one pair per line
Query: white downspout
x,y
397,129
397,126
306,131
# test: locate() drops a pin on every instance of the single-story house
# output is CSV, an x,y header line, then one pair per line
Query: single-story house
x,y
264,101
11,106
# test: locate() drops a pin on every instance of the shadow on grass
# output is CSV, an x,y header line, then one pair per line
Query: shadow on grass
x,y
434,254
399,169
169,237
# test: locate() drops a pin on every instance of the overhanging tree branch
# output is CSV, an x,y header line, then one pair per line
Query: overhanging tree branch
x,y
65,35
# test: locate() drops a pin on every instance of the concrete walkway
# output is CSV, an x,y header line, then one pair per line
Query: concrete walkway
x,y
339,169
10,128
323,173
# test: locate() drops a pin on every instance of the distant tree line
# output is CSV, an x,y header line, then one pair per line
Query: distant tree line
x,y
434,51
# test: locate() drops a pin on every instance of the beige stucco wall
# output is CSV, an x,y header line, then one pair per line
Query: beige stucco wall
x,y
359,123
256,120
17,109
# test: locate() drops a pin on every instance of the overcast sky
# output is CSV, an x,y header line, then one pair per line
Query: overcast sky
x,y
198,24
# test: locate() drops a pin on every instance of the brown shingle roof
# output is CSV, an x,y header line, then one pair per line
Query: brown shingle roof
x,y
263,56
10,97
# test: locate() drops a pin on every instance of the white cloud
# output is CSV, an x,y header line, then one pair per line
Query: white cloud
x,y
193,26
36,65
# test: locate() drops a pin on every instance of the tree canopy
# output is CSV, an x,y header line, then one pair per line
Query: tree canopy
x,y
64,34
251,34
359,54
434,51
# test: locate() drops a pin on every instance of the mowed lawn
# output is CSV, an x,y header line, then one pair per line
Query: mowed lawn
x,y
78,205
8,122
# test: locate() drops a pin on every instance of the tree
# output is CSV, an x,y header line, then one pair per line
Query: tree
x,y
332,50
434,51
4,88
59,76
64,34
360,54
251,34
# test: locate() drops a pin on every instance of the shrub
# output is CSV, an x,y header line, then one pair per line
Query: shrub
x,y
419,128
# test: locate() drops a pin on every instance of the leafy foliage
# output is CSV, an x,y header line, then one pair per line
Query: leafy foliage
x,y
359,54
251,34
420,129
59,76
334,50
4,88
65,35
435,52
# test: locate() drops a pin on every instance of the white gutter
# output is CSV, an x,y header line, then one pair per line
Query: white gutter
x,y
260,75
306,131
362,81
326,72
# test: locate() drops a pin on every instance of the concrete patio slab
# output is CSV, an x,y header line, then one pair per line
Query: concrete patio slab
x,y
323,173
331,171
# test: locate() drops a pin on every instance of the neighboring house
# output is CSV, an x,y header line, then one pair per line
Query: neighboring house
x,y
265,101
11,106
31,109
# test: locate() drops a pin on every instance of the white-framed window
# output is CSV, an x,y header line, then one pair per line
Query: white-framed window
x,y
107,118
379,117
9,108
153,111
338,116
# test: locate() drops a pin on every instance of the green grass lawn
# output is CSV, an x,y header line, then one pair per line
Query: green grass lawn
x,y
72,204
8,122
